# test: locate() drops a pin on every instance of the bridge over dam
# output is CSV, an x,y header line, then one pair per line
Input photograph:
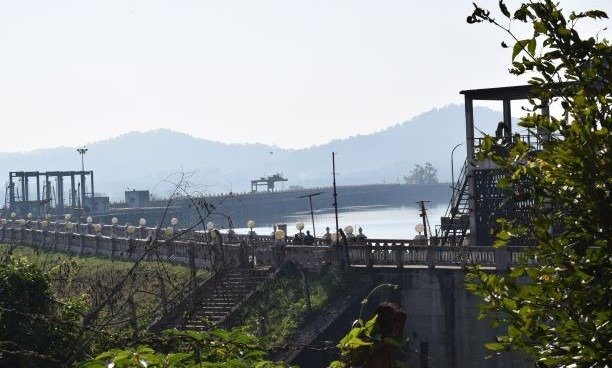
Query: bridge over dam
x,y
441,314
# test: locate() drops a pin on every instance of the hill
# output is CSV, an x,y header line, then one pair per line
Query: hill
x,y
155,159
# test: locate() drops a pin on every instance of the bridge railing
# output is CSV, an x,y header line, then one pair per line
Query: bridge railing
x,y
201,249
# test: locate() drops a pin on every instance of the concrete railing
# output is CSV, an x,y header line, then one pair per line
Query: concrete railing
x,y
201,249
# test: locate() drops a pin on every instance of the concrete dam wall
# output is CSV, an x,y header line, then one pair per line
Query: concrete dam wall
x,y
441,320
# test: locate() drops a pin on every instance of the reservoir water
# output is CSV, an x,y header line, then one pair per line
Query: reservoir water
x,y
376,221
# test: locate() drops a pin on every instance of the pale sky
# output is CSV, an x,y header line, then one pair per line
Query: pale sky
x,y
284,72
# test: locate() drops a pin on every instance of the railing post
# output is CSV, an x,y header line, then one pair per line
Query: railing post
x,y
431,256
398,255
502,259
463,254
113,242
130,243
82,242
169,247
278,253
368,254
96,244
55,240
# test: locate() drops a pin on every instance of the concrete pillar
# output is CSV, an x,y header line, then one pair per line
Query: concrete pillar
x,y
60,194
507,116
72,192
83,193
469,146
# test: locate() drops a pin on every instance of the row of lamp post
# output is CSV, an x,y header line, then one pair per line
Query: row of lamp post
x,y
169,231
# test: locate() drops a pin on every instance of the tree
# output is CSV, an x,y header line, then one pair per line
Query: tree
x,y
35,329
558,308
426,174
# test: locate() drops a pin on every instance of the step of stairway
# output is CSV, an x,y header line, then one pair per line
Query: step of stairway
x,y
219,299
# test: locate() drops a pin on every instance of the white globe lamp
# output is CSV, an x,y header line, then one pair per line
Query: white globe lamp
x,y
279,235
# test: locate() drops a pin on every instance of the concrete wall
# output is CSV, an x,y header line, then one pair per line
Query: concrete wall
x,y
441,320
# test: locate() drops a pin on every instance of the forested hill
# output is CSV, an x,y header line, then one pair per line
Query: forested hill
x,y
152,160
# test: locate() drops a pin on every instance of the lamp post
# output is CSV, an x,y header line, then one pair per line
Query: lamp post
x,y
453,165
82,151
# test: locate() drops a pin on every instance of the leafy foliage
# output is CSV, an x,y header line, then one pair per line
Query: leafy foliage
x,y
556,305
35,329
91,279
376,342
178,349
426,174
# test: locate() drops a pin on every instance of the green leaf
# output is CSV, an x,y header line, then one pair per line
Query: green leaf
x,y
531,46
504,8
495,346
596,14
518,47
517,272
356,342
539,27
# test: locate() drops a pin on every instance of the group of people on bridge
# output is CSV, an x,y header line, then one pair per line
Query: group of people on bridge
x,y
344,237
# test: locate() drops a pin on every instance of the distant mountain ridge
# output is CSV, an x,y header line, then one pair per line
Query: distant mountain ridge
x,y
155,159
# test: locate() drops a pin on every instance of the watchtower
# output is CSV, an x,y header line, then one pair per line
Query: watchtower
x,y
477,201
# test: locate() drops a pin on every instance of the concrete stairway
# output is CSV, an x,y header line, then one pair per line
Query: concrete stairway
x,y
219,298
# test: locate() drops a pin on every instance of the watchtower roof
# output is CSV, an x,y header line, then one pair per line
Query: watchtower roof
x,y
499,93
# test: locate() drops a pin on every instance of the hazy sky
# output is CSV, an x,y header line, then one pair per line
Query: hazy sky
x,y
284,72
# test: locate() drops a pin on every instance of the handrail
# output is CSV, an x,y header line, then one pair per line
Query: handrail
x,y
265,250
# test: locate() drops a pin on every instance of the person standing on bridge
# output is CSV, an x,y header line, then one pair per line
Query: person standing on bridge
x,y
360,238
309,239
327,238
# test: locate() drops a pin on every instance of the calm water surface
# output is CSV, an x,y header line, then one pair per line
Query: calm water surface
x,y
376,221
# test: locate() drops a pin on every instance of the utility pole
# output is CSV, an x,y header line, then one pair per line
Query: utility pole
x,y
346,253
424,216
335,194
314,232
